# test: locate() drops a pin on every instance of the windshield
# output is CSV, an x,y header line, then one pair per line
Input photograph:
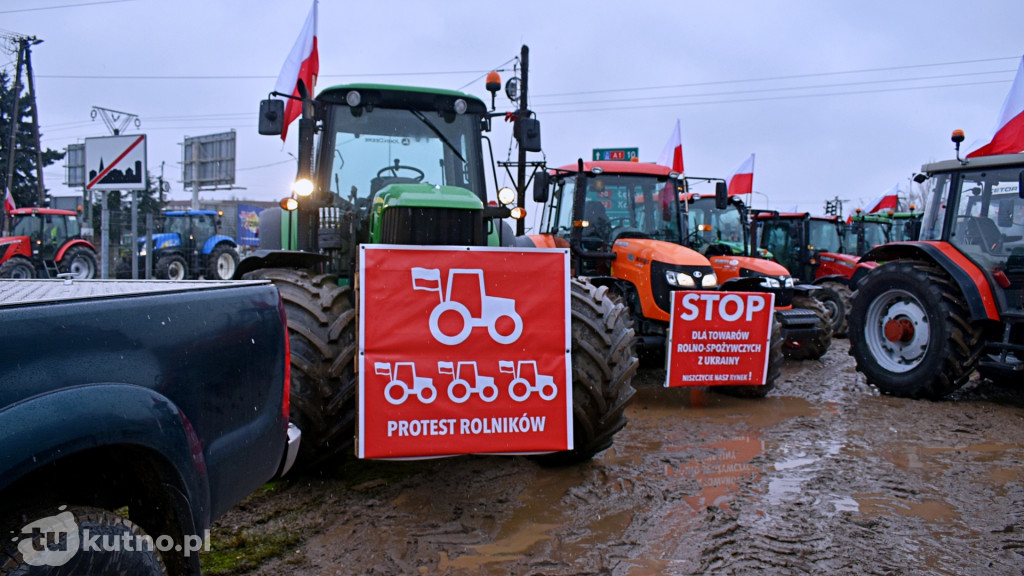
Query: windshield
x,y
371,148
707,225
988,225
636,205
26,226
824,236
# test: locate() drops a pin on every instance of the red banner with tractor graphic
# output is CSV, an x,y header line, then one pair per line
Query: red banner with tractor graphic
x,y
463,351
719,338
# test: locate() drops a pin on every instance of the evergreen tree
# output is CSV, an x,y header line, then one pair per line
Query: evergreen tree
x,y
25,184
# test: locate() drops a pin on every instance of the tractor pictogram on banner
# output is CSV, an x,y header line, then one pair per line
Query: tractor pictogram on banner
x,y
459,389
492,308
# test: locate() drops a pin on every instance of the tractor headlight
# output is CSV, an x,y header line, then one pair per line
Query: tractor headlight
x,y
303,187
709,281
679,279
787,281
769,282
506,196
142,252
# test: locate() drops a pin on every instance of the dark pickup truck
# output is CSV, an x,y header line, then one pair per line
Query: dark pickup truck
x,y
132,414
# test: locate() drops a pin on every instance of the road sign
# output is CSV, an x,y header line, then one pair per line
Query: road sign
x,y
455,357
719,338
625,154
116,163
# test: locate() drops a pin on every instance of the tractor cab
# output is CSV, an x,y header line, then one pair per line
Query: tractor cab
x,y
865,231
979,210
808,246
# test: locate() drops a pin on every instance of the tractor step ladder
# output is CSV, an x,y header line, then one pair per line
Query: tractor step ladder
x,y
51,268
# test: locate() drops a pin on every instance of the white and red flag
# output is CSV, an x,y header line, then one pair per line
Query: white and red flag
x,y
303,63
1008,135
888,200
742,181
672,155
9,201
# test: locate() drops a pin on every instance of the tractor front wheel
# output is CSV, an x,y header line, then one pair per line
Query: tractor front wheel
x,y
910,332
18,268
603,364
171,267
836,299
322,337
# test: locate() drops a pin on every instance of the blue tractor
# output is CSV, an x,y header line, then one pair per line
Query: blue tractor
x,y
190,247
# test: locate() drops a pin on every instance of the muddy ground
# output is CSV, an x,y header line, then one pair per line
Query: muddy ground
x,y
824,476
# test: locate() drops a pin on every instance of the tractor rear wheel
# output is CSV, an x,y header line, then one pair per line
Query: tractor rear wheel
x,y
910,332
18,268
322,337
812,347
775,358
80,262
836,299
603,364
222,262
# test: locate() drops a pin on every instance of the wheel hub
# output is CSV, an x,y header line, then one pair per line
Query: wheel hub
x,y
899,330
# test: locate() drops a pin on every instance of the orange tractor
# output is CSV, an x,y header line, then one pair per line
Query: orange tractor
x,y
43,243
623,224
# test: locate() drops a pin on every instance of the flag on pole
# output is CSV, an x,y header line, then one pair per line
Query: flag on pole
x,y
742,181
9,202
888,200
672,155
303,63
1008,135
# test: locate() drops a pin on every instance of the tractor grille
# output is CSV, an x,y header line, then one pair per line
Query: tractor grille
x,y
433,227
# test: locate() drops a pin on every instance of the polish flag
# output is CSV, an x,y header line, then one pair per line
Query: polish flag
x,y
672,155
303,63
886,201
9,202
1008,135
742,182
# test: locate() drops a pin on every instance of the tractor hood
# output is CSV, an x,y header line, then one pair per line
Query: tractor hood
x,y
425,196
163,240
728,267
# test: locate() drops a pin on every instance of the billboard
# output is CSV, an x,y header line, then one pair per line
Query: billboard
x,y
208,161
249,225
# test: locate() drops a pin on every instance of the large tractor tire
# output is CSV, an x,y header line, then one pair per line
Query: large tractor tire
x,y
18,268
171,267
603,365
775,359
322,336
836,298
910,332
222,262
812,347
80,262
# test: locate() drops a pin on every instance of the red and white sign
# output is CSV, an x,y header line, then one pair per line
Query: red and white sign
x,y
463,351
719,338
116,163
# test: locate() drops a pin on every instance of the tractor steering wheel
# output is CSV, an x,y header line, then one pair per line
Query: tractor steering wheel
x,y
394,172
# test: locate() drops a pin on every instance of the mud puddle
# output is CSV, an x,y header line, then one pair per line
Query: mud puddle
x,y
822,476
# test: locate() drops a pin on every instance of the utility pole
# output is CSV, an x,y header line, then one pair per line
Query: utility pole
x,y
24,59
524,112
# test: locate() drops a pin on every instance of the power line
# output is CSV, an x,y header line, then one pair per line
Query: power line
x,y
58,7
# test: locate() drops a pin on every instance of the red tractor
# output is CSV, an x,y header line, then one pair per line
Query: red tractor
x,y
811,247
953,301
43,243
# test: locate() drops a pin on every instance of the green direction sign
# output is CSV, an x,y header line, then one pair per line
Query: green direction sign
x,y
625,154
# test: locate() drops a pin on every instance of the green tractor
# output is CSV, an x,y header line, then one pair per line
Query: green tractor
x,y
402,165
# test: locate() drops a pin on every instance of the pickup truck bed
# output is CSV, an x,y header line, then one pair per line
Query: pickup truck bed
x,y
169,398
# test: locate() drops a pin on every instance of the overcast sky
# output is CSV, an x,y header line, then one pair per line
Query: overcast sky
x,y
835,99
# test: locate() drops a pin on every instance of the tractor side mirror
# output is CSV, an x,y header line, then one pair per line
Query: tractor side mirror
x,y
1020,184
528,134
541,182
721,195
271,117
